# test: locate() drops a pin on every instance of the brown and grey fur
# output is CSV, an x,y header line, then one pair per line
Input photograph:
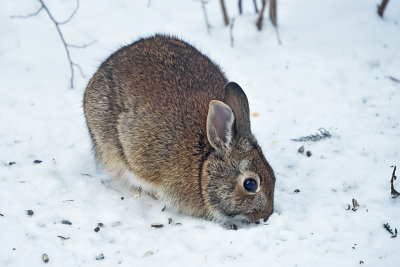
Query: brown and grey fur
x,y
163,117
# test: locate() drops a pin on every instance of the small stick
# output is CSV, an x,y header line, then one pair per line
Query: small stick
x,y
261,15
392,190
224,13
381,7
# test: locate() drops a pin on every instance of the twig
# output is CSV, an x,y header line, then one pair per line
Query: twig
x,y
381,7
64,42
274,19
323,133
255,6
70,16
27,16
240,7
224,13
261,15
203,6
392,190
231,30
393,79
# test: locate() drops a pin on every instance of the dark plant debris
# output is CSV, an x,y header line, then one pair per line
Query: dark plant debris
x,y
97,229
393,191
45,258
100,257
393,79
122,198
11,163
164,208
157,225
308,153
36,161
387,227
322,134
301,150
234,227
355,204
63,237
66,222
1,214
296,191
100,224
169,220
29,212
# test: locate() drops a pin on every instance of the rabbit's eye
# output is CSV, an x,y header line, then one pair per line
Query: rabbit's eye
x,y
250,185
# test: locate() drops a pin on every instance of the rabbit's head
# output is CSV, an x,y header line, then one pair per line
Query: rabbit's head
x,y
237,181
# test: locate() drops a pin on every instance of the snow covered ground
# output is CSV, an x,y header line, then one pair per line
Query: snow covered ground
x,y
332,70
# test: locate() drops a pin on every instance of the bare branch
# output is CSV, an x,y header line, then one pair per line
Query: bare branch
x,y
255,6
392,190
240,7
381,7
261,15
71,16
224,12
82,46
273,18
27,16
64,42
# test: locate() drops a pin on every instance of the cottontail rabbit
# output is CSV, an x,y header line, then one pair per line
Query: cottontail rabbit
x,y
163,117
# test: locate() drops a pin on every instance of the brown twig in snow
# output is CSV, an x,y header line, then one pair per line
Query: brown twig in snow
x,y
224,12
381,7
274,19
240,6
392,190
57,24
261,15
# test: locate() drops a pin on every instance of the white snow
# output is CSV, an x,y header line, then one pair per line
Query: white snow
x,y
331,71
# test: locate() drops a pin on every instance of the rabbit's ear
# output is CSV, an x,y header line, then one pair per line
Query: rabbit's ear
x,y
237,100
219,124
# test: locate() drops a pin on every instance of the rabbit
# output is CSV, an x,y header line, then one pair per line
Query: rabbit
x,y
164,118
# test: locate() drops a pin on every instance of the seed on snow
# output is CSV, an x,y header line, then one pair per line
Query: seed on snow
x,y
157,225
45,258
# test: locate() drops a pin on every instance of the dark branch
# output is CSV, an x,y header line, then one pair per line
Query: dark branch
x,y
224,12
261,15
381,7
392,190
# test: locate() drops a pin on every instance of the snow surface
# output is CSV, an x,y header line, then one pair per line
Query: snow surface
x,y
330,71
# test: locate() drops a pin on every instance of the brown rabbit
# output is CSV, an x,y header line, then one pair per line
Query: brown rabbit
x,y
162,117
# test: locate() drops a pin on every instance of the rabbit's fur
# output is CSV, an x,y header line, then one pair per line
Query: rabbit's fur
x,y
163,117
